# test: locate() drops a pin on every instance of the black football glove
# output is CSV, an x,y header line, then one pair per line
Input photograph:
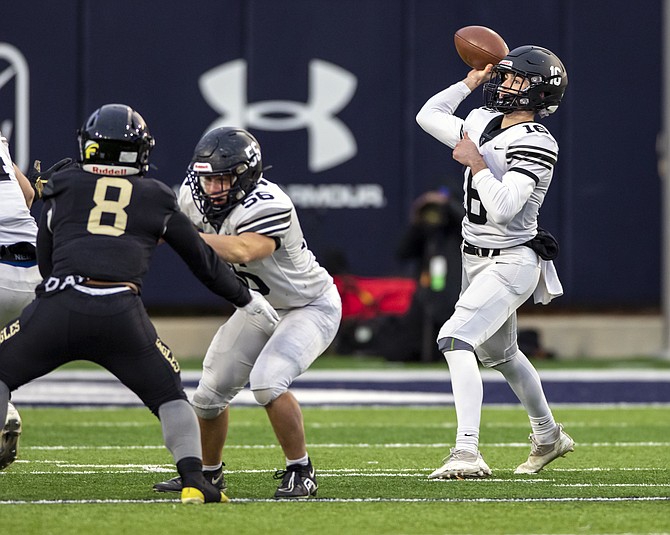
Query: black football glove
x,y
39,178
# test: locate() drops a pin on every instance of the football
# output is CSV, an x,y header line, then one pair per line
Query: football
x,y
478,46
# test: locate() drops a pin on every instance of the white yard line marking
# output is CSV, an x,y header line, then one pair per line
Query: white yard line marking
x,y
359,445
65,467
452,425
617,485
351,500
339,425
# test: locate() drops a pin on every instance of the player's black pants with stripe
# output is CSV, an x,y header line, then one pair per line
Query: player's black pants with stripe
x,y
113,331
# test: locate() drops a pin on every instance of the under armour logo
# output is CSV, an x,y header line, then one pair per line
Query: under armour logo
x,y
17,70
331,88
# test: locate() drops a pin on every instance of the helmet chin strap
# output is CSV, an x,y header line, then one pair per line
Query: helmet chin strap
x,y
217,219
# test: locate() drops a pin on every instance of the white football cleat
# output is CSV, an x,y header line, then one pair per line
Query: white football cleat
x,y
542,454
462,464
9,437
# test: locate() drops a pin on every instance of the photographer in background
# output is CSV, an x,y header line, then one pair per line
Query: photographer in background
x,y
432,242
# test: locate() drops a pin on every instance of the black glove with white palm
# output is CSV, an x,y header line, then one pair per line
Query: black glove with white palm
x,y
261,309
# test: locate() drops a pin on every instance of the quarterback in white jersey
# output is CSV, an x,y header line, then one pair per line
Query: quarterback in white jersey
x,y
252,224
19,274
509,163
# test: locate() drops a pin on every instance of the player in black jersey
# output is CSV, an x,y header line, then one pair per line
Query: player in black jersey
x,y
99,226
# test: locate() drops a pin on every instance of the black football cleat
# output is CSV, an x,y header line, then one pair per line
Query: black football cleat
x,y
215,477
298,482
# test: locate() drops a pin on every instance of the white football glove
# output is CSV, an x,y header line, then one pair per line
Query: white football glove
x,y
261,309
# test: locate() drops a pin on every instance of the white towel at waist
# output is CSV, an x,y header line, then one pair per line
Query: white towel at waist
x,y
549,286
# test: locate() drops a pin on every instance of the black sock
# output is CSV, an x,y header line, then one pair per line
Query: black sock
x,y
190,470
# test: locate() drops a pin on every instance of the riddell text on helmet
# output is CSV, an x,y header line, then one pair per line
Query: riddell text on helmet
x,y
109,170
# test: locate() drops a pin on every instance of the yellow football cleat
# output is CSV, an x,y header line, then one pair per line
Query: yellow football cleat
x,y
191,495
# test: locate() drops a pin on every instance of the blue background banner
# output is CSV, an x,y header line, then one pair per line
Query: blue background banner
x,y
331,89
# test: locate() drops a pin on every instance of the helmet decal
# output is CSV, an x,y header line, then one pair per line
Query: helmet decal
x,y
127,157
203,167
90,148
253,153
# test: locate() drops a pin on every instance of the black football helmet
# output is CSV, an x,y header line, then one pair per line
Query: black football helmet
x,y
115,141
546,76
224,151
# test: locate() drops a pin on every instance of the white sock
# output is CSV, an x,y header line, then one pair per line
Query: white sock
x,y
525,382
466,385
302,461
544,429
211,467
467,438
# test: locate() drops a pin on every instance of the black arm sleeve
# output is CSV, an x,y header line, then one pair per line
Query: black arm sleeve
x,y
182,236
44,244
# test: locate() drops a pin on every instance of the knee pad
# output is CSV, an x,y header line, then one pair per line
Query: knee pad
x,y
208,413
453,344
264,396
204,409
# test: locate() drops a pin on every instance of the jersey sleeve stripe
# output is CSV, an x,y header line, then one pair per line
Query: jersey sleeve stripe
x,y
526,172
539,152
269,223
535,148
269,229
531,159
538,155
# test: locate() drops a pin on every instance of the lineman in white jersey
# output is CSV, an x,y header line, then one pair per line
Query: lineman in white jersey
x,y
19,274
509,162
251,223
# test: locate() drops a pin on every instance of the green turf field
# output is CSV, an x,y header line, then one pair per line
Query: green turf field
x,y
91,471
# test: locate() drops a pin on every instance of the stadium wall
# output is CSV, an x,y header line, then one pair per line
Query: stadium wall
x,y
331,88
565,336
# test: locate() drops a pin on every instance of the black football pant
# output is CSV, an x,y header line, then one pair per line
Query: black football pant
x,y
113,331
